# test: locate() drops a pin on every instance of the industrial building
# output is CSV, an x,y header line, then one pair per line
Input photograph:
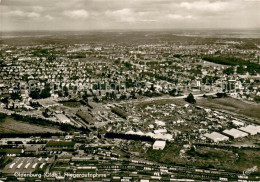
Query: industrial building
x,y
216,137
251,129
62,118
159,145
235,133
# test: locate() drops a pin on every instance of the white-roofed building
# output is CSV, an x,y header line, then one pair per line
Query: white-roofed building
x,y
144,180
159,123
159,145
63,118
216,137
237,123
160,131
251,129
235,133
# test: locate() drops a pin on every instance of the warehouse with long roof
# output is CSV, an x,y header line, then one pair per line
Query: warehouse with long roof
x,y
216,137
235,133
251,129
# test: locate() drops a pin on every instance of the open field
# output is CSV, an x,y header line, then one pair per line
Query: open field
x,y
71,103
247,159
60,143
226,158
236,160
161,102
232,105
10,125
202,156
169,155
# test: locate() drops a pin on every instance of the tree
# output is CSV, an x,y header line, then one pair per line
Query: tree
x,y
221,95
133,95
85,95
16,96
152,88
45,93
2,117
257,99
35,94
191,99
46,113
113,95
66,91
241,70
1,63
173,92
95,99
123,97
229,71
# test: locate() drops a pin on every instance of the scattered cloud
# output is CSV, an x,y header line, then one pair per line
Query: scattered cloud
x,y
127,15
22,14
123,15
77,14
33,15
139,13
38,8
179,17
49,17
144,20
205,5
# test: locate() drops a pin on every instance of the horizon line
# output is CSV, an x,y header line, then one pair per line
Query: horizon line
x,y
128,30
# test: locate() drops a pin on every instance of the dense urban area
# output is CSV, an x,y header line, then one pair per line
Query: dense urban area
x,y
129,106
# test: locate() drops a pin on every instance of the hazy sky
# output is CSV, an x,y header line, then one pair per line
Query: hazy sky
x,y
128,14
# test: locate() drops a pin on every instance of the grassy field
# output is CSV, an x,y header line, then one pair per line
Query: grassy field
x,y
247,159
229,159
12,151
161,102
4,161
9,125
60,143
226,158
202,156
71,103
233,105
170,154
228,104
